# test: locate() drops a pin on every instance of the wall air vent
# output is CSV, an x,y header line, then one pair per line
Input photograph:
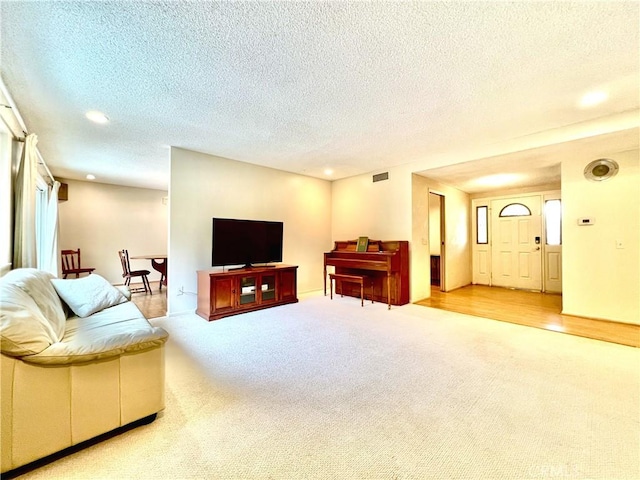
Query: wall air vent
x,y
63,192
380,177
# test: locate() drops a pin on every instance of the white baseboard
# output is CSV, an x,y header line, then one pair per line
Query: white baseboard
x,y
184,312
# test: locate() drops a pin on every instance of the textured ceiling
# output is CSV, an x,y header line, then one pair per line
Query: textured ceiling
x,y
354,86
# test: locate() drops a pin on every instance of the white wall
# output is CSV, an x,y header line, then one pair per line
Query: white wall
x,y
6,199
600,280
102,219
204,186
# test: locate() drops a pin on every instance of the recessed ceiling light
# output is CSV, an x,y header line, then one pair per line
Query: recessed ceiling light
x,y
97,117
328,171
91,176
594,98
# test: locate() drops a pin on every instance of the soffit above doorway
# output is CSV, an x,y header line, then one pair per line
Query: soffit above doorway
x,y
529,168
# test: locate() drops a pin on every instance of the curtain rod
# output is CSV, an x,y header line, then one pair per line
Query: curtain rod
x,y
42,162
14,110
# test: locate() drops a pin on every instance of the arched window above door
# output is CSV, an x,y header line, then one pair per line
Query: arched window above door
x,y
515,210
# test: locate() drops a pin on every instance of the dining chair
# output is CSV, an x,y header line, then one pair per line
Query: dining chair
x,y
127,274
71,264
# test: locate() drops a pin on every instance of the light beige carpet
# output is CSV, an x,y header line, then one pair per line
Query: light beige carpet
x,y
330,390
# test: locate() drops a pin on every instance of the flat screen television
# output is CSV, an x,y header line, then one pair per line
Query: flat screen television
x,y
245,242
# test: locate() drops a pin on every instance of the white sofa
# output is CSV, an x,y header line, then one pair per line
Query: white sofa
x,y
74,369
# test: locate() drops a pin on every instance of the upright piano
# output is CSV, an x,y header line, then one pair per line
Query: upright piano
x,y
385,262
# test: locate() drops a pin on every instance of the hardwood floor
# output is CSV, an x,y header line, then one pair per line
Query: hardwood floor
x,y
151,306
540,310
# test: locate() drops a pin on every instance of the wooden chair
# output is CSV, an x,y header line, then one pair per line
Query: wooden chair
x,y
127,274
71,263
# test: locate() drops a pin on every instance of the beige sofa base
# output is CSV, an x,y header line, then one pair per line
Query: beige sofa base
x,y
46,409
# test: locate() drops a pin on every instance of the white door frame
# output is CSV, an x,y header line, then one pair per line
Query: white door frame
x,y
443,236
516,243
551,257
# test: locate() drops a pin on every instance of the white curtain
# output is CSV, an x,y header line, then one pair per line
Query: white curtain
x,y
24,238
48,256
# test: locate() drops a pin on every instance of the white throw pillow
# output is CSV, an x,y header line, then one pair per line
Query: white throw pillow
x,y
88,295
23,328
37,284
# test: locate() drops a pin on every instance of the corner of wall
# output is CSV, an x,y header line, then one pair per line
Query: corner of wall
x,y
601,262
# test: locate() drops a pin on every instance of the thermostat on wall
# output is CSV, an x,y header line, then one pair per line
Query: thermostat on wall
x,y
586,221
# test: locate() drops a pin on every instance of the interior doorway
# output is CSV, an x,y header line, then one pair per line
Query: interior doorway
x,y
436,239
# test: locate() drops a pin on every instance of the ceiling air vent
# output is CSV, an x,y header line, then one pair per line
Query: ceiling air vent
x,y
380,177
600,170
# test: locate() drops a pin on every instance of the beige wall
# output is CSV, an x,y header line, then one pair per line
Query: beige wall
x,y
102,219
457,251
600,280
380,210
204,186
420,239
398,209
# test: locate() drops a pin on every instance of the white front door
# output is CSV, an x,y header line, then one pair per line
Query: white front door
x,y
517,242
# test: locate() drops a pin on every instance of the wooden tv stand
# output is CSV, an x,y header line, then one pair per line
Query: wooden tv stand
x,y
224,293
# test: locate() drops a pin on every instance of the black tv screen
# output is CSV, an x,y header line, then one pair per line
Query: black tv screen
x,y
245,242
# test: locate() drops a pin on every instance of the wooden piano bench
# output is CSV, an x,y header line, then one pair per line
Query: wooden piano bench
x,y
359,279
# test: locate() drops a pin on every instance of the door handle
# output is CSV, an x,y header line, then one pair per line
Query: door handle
x,y
537,248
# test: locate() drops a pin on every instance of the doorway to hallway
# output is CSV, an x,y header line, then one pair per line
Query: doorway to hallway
x,y
436,239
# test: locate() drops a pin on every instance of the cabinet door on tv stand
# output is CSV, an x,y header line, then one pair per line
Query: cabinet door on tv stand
x,y
248,285
223,294
268,288
288,288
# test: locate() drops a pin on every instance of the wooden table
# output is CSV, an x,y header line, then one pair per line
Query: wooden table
x,y
159,263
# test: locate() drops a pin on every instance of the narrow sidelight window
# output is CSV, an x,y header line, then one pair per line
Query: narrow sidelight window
x,y
553,222
482,225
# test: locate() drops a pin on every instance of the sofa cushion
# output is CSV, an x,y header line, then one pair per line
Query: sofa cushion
x,y
23,328
88,295
37,284
105,334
